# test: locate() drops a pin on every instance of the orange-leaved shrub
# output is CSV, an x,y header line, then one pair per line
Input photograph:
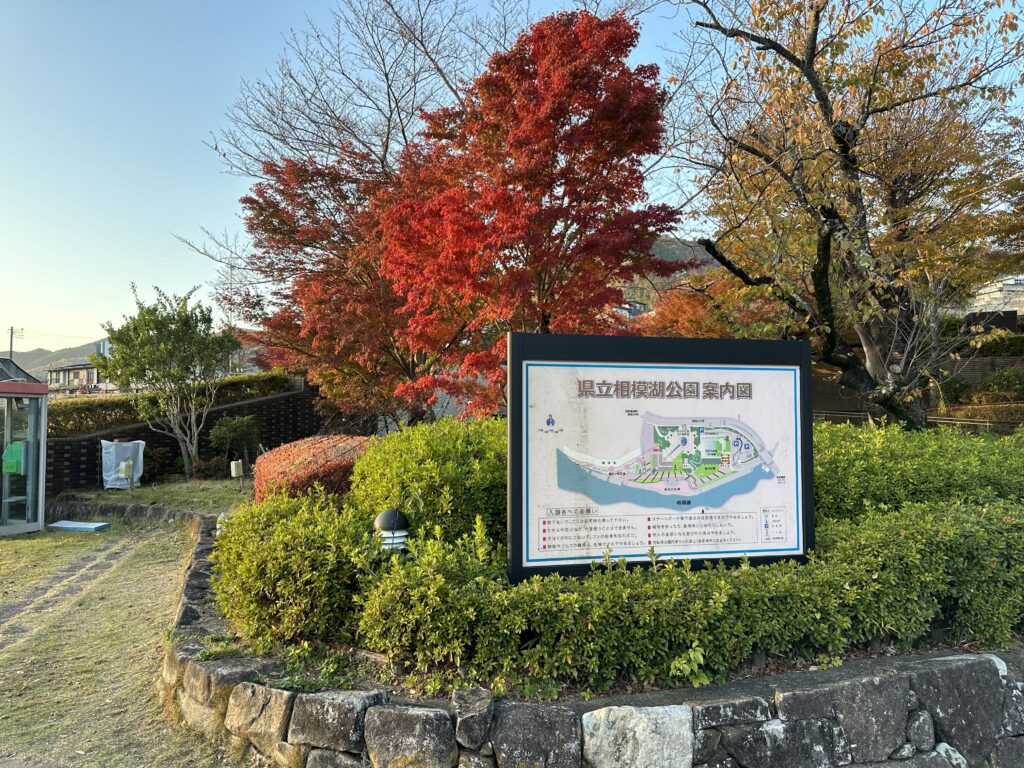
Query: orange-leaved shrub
x,y
296,467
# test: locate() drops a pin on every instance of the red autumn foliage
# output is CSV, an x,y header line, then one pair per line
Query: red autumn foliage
x,y
713,305
336,313
296,467
524,208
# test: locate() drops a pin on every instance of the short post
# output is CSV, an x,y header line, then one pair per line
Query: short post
x,y
238,470
126,470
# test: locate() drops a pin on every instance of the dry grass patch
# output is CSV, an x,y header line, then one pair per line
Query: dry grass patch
x,y
78,689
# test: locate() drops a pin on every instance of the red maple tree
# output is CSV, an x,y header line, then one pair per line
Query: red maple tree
x,y
524,209
332,310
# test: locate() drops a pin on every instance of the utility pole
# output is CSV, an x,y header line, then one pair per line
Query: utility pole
x,y
15,332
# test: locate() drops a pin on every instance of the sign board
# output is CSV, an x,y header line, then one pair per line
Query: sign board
x,y
695,449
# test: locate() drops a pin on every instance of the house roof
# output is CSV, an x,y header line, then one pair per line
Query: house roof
x,y
72,366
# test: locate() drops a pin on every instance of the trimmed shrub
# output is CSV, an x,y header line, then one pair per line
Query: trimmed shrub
x,y
441,474
287,569
83,415
993,412
1003,386
955,391
889,576
1008,345
861,468
295,468
235,435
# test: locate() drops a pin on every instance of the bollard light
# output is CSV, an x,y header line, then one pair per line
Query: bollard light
x,y
393,528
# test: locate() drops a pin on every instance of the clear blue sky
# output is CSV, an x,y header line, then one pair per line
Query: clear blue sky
x,y
104,107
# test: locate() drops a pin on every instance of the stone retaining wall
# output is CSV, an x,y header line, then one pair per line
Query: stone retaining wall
x,y
938,711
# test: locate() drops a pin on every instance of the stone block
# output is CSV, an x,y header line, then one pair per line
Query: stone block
x,y
811,704
176,658
921,731
927,760
752,709
1009,753
205,718
475,760
474,709
332,719
705,744
720,759
1013,710
536,736
953,757
775,744
210,682
259,714
328,758
905,752
873,714
964,696
290,755
410,737
639,737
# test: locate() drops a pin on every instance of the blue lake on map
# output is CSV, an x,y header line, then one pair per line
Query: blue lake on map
x,y
572,477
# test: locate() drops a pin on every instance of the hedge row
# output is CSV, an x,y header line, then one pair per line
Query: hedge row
x,y
915,529
83,415
294,468
299,570
861,468
888,576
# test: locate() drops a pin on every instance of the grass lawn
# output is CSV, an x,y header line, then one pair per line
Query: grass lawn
x,y
31,558
78,664
198,495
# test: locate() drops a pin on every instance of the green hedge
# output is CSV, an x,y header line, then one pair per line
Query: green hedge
x,y
288,569
889,576
916,529
442,474
86,414
859,468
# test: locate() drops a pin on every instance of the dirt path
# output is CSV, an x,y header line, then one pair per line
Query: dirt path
x,y
79,655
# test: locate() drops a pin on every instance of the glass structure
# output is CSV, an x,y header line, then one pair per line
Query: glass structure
x,y
22,450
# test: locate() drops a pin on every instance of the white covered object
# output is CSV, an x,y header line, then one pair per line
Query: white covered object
x,y
114,455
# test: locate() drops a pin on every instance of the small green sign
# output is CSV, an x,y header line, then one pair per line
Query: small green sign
x,y
14,458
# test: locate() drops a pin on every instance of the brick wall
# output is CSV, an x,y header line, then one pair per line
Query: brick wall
x,y
74,462
978,369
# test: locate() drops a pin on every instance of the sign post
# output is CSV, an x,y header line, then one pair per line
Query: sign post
x,y
690,449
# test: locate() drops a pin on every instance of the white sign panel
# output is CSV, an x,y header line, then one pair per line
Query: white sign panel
x,y
687,460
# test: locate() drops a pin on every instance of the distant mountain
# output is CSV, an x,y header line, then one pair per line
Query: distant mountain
x,y
39,361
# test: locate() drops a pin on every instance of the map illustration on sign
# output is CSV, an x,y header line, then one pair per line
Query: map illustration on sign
x,y
683,456
645,449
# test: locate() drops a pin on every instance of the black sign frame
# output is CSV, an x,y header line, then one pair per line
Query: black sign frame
x,y
525,347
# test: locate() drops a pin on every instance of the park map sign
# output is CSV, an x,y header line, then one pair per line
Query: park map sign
x,y
693,449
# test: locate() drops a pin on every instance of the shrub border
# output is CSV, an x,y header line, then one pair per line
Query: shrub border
x,y
957,709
